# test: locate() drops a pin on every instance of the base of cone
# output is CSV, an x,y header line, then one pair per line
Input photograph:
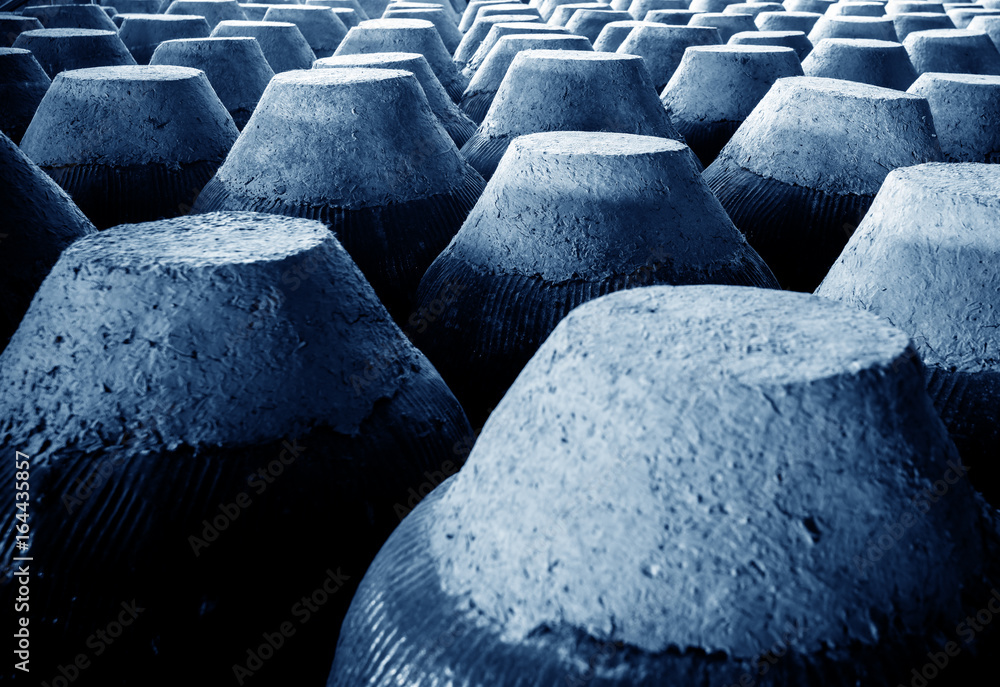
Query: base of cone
x,y
798,231
966,403
392,244
401,616
512,314
483,153
111,195
476,105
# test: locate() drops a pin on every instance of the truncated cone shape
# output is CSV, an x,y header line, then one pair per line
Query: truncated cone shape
x,y
59,50
727,24
752,9
879,63
709,5
254,11
480,30
360,150
459,127
214,11
235,67
564,13
224,385
142,33
802,170
905,24
567,217
639,8
565,90
71,17
787,21
958,51
320,26
406,35
716,87
927,257
347,16
450,35
12,25
137,6
894,7
130,144
484,85
282,43
681,476
662,46
818,6
962,16
615,33
23,83
39,220
966,109
590,23
873,28
498,31
796,40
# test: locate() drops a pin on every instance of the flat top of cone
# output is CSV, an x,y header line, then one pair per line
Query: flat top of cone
x,y
371,58
166,18
976,180
396,24
66,33
132,73
821,133
558,207
335,77
943,33
257,24
742,49
192,314
687,467
967,79
870,43
576,56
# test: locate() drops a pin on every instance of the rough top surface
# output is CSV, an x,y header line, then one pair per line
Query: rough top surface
x,y
396,24
696,467
739,49
339,135
866,43
129,73
65,33
931,34
199,315
925,258
966,79
832,135
565,205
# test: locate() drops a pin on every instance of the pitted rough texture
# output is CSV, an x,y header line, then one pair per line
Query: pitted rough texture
x,y
142,33
490,75
696,467
507,28
559,90
406,35
966,109
321,27
214,11
614,34
835,136
575,205
477,33
952,50
12,25
837,26
126,116
71,16
662,46
236,68
725,82
796,40
727,25
907,23
932,234
283,44
334,137
879,63
458,126
39,220
787,21
590,23
60,50
153,346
